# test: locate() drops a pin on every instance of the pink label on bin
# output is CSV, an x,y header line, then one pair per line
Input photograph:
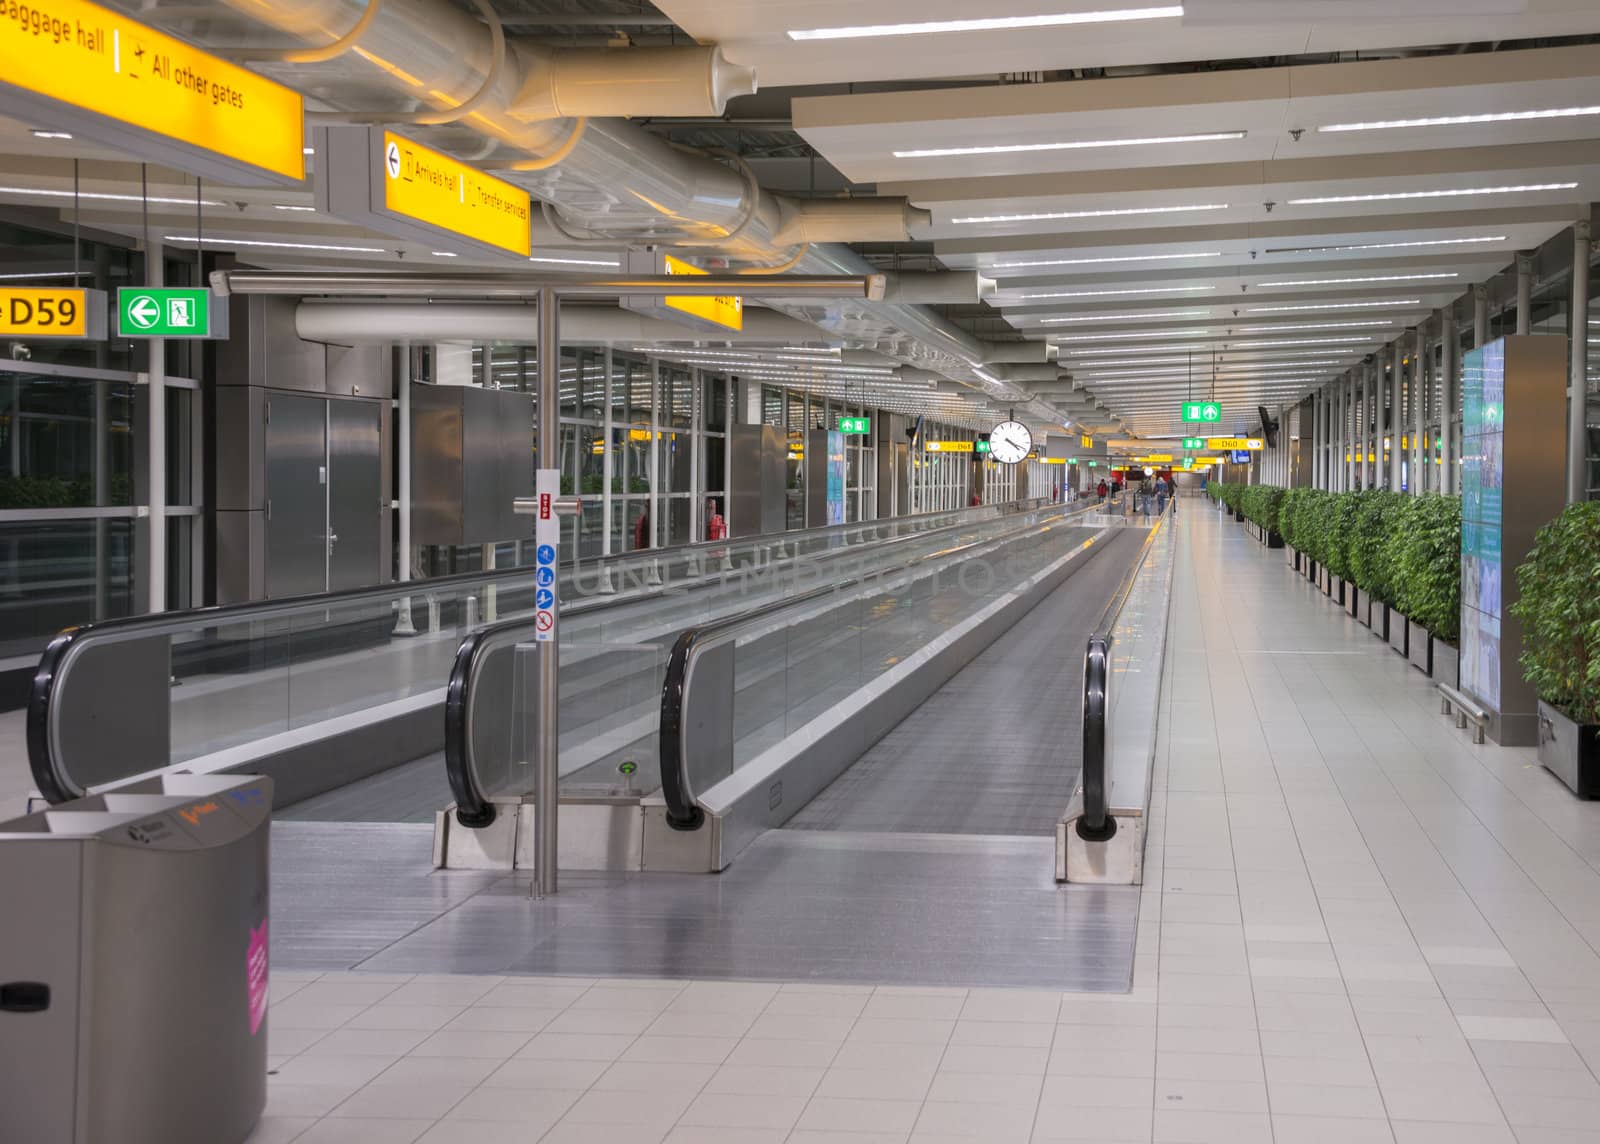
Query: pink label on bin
x,y
255,962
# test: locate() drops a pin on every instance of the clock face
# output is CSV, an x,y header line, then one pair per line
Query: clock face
x,y
1010,442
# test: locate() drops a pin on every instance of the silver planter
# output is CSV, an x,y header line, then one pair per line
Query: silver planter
x,y
1397,632
1446,662
1570,751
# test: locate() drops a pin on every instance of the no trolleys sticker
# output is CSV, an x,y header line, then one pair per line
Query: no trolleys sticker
x,y
547,544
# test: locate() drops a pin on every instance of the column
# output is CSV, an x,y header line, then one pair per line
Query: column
x,y
1420,413
156,445
1448,346
1578,391
1397,421
1524,293
1480,316
1316,439
1363,417
1346,454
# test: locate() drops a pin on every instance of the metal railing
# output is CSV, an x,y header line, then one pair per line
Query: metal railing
x,y
1097,824
473,682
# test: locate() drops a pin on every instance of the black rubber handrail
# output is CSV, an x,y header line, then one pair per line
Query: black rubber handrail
x,y
56,785
683,811
473,808
1096,823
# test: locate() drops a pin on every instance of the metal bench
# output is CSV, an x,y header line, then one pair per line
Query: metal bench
x,y
1466,711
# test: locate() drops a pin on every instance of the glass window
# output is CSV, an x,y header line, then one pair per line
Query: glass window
x,y
65,442
54,574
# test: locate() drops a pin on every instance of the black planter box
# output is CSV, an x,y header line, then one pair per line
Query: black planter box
x,y
1445,662
1239,516
1274,540
1291,555
1336,589
1419,645
1323,581
1379,615
1570,751
1309,567
1352,598
1364,610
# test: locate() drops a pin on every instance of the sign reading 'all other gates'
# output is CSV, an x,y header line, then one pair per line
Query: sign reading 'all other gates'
x,y
94,72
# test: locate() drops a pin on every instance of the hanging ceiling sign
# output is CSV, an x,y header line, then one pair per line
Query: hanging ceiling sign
x,y
949,446
86,70
38,313
375,178
1252,443
723,312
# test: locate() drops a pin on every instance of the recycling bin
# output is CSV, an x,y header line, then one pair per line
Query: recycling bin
x,y
133,965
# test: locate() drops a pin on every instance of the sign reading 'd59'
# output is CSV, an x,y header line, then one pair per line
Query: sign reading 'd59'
x,y
45,312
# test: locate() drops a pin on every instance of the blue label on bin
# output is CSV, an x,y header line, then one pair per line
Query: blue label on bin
x,y
544,598
544,577
546,554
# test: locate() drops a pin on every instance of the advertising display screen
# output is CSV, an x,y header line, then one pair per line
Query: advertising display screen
x,y
835,477
1483,385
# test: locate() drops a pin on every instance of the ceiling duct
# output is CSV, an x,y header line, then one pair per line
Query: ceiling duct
x,y
607,180
687,81
938,287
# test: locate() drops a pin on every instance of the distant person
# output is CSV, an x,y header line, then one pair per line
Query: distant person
x,y
641,530
976,499
1161,495
1103,490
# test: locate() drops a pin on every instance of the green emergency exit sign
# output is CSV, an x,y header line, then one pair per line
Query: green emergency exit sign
x,y
1194,442
1209,412
982,445
151,312
857,425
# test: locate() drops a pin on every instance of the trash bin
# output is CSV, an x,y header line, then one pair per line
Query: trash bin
x,y
133,965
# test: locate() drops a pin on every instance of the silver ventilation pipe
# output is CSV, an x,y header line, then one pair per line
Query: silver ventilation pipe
x,y
606,179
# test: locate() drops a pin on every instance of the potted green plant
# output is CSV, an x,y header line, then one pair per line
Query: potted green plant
x,y
1338,528
1291,551
1560,614
1427,576
1376,514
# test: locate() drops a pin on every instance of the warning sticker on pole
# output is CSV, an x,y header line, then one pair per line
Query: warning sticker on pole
x,y
547,546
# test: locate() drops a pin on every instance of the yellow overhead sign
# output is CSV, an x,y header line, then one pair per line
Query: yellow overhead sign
x,y
90,58
722,310
1088,441
1155,459
50,312
430,187
949,446
1233,443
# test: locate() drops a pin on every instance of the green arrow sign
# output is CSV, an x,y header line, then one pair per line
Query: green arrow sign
x,y
151,312
1209,412
856,425
1194,442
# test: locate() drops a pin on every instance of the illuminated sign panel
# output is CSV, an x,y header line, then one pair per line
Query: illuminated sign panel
x,y
726,311
949,446
855,425
47,312
1194,442
93,72
1209,412
430,187
1251,443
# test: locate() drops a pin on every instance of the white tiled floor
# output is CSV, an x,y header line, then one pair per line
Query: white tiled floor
x,y
1359,927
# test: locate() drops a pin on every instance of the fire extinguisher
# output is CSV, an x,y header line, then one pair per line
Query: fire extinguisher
x,y
716,526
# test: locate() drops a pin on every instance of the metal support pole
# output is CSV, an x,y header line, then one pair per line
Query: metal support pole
x,y
1419,413
1449,340
1316,439
156,447
1480,316
1363,419
547,775
1397,401
404,625
1524,293
1578,394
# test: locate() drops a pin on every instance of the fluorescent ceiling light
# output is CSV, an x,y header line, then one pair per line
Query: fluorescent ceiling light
x,y
308,150
1157,315
293,207
1459,120
1066,145
1392,195
42,274
1333,306
443,253
104,195
1118,212
1268,329
1117,336
1351,281
1388,245
41,134
576,261
987,24
1267,344
273,245
1116,258
1114,293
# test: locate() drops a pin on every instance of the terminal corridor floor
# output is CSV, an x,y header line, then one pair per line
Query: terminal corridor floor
x,y
1357,927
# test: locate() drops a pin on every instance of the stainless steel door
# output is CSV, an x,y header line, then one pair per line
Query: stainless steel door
x,y
297,504
354,495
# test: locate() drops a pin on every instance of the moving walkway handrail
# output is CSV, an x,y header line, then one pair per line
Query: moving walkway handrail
x,y
1097,823
51,774
473,806
683,810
